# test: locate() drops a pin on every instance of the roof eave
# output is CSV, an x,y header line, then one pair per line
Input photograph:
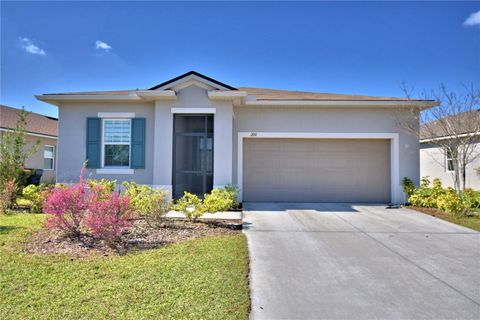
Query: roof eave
x,y
421,104
466,134
56,99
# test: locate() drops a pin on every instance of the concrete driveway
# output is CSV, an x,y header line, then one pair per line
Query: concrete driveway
x,y
343,261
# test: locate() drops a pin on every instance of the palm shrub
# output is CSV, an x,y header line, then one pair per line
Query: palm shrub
x,y
191,205
148,203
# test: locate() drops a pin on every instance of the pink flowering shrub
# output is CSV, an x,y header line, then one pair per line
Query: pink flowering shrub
x,y
108,218
92,209
66,207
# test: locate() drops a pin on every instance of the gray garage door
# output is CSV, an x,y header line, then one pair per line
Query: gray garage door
x,y
316,170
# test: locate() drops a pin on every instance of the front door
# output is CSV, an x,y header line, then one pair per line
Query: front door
x,y
192,154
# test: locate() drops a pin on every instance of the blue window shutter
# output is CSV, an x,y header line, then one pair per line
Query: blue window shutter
x,y
138,143
93,142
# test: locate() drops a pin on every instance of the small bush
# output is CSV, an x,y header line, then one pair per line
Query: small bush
x,y
191,205
107,218
87,207
66,208
218,200
148,203
451,203
408,186
8,193
37,196
232,191
433,195
426,196
107,185
472,198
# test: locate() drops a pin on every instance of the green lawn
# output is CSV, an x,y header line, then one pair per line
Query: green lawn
x,y
196,279
472,222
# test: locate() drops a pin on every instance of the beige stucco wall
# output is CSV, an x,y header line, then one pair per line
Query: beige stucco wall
x,y
36,160
229,121
432,164
329,120
159,137
72,139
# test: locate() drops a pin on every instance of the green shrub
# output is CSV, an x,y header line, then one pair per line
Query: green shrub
x,y
472,198
32,194
108,185
408,186
232,191
433,195
452,203
190,205
36,195
218,200
428,193
148,203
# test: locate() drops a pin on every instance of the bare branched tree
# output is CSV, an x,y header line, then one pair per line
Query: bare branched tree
x,y
453,126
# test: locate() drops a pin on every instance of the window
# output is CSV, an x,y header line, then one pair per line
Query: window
x,y
48,157
116,142
449,161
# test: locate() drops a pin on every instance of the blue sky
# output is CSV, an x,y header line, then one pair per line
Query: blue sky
x,y
345,47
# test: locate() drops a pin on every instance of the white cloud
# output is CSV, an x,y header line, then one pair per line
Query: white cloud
x,y
28,45
473,19
102,45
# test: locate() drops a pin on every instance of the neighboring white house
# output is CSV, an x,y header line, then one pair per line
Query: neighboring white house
x,y
435,163
38,128
193,133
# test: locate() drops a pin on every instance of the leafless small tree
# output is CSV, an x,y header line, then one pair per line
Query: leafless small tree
x,y
453,126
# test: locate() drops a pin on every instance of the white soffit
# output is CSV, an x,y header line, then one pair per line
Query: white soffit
x,y
193,110
226,95
152,95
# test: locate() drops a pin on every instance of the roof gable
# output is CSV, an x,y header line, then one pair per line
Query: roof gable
x,y
192,78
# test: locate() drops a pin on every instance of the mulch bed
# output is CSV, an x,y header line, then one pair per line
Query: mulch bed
x,y
434,212
139,237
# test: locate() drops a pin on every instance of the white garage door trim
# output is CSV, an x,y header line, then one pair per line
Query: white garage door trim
x,y
394,152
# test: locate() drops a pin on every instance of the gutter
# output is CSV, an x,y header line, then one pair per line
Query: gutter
x,y
422,104
31,133
471,134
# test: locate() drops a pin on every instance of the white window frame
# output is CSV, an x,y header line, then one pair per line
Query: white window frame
x,y
446,162
53,157
118,169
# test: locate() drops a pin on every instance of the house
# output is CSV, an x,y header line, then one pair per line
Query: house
x,y
194,133
38,128
436,163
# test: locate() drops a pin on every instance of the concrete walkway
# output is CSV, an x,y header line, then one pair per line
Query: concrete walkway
x,y
342,261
